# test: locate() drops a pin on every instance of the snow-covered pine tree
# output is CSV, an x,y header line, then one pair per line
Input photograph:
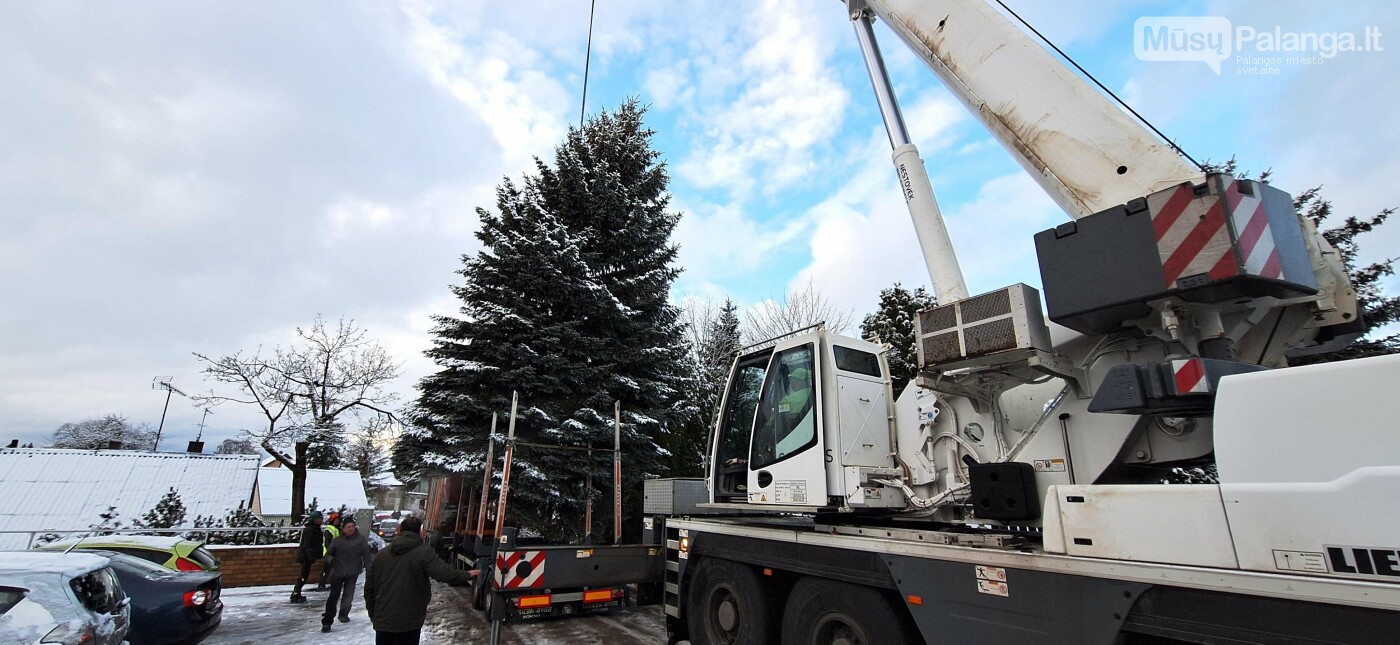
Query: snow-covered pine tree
x,y
893,323
717,353
168,513
568,305
108,521
327,449
710,361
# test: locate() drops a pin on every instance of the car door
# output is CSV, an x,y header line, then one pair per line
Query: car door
x,y
787,462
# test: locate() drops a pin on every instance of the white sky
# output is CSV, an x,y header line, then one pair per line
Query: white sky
x,y
179,177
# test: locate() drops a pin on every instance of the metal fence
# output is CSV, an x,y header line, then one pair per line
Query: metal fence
x,y
249,535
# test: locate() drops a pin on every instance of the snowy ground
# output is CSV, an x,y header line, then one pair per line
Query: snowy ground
x,y
262,616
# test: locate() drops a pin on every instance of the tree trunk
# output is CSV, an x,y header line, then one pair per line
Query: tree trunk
x,y
298,482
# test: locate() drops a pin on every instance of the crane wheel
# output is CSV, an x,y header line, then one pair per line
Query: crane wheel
x,y
825,612
727,606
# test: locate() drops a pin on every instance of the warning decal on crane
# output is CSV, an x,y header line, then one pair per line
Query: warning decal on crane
x,y
1190,376
1194,238
992,581
519,569
1256,241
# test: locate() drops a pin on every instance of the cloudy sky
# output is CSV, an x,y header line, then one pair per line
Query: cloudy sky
x,y
182,177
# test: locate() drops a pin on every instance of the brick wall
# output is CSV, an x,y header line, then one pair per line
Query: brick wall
x,y
258,566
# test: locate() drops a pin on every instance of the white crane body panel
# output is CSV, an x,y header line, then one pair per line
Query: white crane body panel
x,y
1053,481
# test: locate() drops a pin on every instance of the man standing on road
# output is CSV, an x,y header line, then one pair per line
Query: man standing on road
x,y
308,552
332,531
397,589
346,557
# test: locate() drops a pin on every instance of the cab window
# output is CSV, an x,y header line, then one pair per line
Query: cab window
x,y
786,422
854,360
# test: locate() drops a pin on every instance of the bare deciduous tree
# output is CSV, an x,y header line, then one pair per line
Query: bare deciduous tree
x,y
698,315
240,446
799,308
304,389
367,452
96,434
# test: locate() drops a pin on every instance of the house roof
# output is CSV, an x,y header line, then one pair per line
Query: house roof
x,y
47,488
330,488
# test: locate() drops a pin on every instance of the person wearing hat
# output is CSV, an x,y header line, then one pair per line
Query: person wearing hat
x,y
309,550
331,531
347,556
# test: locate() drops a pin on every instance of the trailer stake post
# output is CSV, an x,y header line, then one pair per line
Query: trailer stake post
x,y
486,481
617,472
505,473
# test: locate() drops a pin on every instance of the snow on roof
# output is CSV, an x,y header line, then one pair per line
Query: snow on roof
x,y
331,489
72,564
54,489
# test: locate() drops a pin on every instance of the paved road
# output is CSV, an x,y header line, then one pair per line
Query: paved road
x,y
262,616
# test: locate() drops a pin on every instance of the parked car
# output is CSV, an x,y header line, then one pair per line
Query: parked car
x,y
388,528
68,598
171,552
167,606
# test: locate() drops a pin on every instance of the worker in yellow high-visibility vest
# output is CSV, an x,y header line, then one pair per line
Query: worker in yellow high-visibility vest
x,y
330,531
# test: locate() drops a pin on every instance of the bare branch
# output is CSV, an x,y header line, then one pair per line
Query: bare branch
x,y
797,309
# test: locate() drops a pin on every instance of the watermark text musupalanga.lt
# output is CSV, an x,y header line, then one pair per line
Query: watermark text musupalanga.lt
x,y
1213,40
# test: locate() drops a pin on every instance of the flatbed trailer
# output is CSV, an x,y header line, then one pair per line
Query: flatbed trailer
x,y
776,579
527,578
527,581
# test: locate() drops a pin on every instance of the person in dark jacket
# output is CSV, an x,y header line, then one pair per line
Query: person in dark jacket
x,y
308,552
346,557
397,589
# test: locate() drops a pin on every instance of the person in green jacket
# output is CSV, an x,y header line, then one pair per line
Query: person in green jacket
x,y
397,589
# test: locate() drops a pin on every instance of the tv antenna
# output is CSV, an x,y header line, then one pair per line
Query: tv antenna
x,y
163,383
200,436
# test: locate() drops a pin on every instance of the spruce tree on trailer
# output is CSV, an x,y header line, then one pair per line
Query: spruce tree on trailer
x,y
566,303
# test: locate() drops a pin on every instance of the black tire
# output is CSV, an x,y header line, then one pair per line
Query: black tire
x,y
727,606
823,612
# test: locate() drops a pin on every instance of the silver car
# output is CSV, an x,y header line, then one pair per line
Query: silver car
x,y
68,598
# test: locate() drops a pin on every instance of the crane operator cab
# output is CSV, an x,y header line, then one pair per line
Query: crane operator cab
x,y
793,408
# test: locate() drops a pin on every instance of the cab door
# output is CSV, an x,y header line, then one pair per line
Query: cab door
x,y
787,463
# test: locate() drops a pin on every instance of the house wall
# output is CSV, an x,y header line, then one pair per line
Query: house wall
x,y
258,566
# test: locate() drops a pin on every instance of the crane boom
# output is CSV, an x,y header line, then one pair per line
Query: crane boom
x,y
1085,152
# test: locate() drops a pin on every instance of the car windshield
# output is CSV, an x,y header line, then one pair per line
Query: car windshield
x,y
389,524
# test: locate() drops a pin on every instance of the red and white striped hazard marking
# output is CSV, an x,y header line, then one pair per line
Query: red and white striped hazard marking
x,y
1190,376
1192,237
519,569
1256,241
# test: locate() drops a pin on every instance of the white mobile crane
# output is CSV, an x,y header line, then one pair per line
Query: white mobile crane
x,y
1013,493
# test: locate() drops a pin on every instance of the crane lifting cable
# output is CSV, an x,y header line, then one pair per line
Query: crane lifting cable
x,y
587,55
1181,151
